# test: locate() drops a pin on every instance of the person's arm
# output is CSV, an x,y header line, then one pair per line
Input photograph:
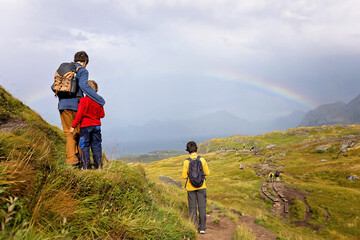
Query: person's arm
x,y
102,113
83,76
205,168
185,169
80,113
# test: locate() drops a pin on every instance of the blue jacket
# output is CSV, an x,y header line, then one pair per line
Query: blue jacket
x,y
71,103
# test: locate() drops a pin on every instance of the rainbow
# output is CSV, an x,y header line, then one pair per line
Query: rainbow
x,y
41,94
263,86
251,82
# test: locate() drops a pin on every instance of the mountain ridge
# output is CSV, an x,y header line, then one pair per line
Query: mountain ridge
x,y
333,113
173,134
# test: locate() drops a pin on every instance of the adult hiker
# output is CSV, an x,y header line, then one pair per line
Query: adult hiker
x,y
68,105
271,176
277,176
194,170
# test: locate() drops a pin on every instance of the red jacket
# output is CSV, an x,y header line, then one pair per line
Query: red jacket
x,y
89,113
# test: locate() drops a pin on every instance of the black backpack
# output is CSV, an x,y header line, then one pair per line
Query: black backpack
x,y
196,172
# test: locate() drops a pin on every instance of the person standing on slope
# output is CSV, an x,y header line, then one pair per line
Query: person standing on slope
x,y
68,106
88,116
271,176
194,170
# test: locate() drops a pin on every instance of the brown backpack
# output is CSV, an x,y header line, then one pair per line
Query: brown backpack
x,y
65,83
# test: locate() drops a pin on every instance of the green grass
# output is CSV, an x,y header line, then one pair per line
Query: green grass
x,y
298,210
43,198
332,198
151,156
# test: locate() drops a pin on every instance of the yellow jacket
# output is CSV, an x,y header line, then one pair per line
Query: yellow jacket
x,y
189,186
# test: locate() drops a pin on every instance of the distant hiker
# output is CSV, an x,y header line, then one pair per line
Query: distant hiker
x,y
88,116
68,105
277,176
195,169
271,176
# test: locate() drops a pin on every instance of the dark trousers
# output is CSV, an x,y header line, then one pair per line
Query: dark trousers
x,y
90,137
197,201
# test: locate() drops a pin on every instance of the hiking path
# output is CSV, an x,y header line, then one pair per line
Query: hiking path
x,y
223,228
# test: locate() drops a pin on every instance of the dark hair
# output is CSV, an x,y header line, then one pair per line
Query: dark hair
x,y
191,147
93,84
81,57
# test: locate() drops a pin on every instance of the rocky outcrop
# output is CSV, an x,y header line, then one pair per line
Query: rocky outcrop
x,y
12,124
322,148
170,181
352,178
271,146
346,145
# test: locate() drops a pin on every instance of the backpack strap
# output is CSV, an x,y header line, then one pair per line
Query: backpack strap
x,y
190,159
77,68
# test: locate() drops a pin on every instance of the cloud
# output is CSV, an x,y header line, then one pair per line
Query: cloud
x,y
151,57
292,15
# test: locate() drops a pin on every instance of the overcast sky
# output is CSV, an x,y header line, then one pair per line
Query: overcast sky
x,y
168,59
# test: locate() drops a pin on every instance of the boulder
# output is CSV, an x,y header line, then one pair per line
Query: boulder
x,y
352,178
271,146
170,181
346,145
322,148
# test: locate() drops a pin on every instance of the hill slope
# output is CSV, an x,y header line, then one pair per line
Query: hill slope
x,y
42,198
314,162
335,113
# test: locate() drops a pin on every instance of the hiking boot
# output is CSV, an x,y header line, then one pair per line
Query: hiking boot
x,y
202,232
76,165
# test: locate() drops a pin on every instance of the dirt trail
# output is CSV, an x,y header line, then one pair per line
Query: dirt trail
x,y
260,232
225,228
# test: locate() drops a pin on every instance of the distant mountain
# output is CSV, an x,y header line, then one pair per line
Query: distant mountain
x,y
335,113
214,124
290,121
173,135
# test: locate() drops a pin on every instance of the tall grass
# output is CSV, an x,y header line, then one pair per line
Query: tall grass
x,y
43,198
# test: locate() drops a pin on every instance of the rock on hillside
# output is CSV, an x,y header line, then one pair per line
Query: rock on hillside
x,y
335,113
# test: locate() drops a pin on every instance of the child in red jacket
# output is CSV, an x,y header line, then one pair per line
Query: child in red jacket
x,y
88,115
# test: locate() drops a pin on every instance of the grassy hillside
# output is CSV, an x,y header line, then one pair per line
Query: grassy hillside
x,y
151,156
314,163
43,198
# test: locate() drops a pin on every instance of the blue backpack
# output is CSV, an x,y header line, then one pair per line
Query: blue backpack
x,y
196,172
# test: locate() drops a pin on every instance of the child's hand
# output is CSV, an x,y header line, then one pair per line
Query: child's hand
x,y
71,130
